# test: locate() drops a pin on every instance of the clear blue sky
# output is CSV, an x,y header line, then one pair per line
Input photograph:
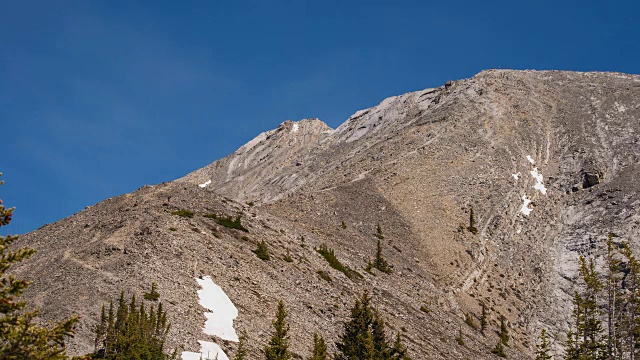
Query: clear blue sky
x,y
98,98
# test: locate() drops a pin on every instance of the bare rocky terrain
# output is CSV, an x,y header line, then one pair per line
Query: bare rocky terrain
x,y
416,164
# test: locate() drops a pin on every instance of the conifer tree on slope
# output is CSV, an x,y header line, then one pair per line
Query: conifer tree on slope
x,y
241,353
542,348
278,347
364,336
319,351
20,335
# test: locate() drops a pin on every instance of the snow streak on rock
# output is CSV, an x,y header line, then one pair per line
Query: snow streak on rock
x,y
219,321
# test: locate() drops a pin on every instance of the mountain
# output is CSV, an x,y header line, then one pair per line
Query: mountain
x,y
546,160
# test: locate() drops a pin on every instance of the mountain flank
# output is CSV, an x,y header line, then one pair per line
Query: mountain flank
x,y
547,162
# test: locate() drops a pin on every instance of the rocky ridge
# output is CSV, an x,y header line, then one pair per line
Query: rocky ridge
x,y
416,164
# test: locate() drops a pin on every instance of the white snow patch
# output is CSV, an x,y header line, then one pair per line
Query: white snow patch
x,y
205,184
539,185
219,321
518,231
516,175
620,107
295,127
531,159
208,350
525,209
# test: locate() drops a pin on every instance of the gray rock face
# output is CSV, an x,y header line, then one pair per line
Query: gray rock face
x,y
548,161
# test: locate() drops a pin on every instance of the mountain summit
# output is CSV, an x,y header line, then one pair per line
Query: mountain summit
x,y
481,191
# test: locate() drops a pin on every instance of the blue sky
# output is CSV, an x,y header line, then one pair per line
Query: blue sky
x,y
98,98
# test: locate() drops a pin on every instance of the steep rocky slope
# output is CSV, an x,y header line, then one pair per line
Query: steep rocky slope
x,y
547,161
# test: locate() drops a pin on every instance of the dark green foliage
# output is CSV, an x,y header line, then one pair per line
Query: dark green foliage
x,y
425,308
262,251
483,319
183,213
585,337
329,255
498,350
242,352
152,295
250,203
460,337
380,262
472,223
278,346
21,336
542,348
228,222
132,333
504,331
324,276
379,234
343,225
287,257
319,351
399,351
364,336
468,319
173,229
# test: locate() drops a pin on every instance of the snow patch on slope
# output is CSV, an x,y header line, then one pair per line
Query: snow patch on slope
x,y
208,351
295,127
219,321
205,184
525,209
539,184
531,159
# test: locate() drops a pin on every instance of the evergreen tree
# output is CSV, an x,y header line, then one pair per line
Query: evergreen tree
x,y
133,333
472,223
379,336
613,286
262,251
356,341
20,335
241,353
364,336
379,234
460,337
504,331
380,262
542,348
319,351
630,328
399,351
483,319
278,347
498,350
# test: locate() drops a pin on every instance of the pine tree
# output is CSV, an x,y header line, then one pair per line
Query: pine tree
x,y
460,337
262,251
615,303
504,331
498,350
379,336
483,319
364,336
630,321
542,348
242,352
380,262
472,223
399,351
20,335
356,341
379,234
278,347
319,351
132,333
